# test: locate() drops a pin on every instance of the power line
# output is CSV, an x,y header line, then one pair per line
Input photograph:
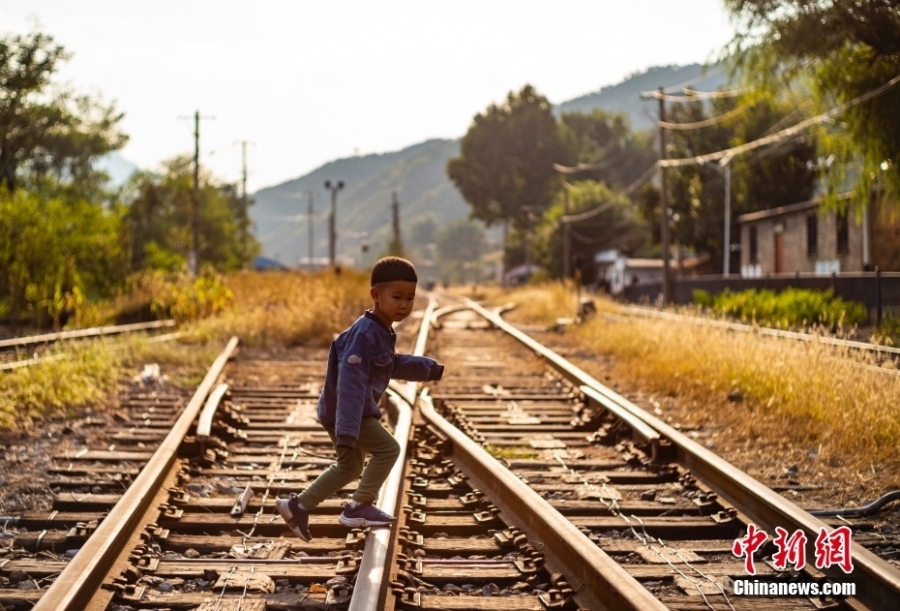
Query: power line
x,y
574,218
706,95
783,134
706,122
691,81
691,95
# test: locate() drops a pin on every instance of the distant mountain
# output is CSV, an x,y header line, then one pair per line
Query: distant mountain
x,y
625,96
118,168
418,174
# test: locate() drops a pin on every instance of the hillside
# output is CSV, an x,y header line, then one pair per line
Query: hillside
x,y
418,175
625,96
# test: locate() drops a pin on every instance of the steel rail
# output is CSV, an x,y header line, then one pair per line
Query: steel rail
x,y
600,581
878,582
745,328
156,339
81,578
205,420
371,586
46,338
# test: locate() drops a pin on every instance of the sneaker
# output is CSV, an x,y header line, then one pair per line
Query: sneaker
x,y
363,515
296,517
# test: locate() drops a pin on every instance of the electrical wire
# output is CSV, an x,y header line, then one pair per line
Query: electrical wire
x,y
706,122
783,134
705,95
581,167
691,95
574,218
696,79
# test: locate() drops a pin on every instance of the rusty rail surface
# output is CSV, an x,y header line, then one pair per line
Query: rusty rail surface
x,y
76,585
602,583
878,582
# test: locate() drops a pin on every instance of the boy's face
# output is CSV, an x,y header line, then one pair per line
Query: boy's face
x,y
394,300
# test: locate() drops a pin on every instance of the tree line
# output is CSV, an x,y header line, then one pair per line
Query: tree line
x,y
68,236
792,59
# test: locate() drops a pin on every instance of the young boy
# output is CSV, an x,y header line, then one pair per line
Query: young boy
x,y
361,362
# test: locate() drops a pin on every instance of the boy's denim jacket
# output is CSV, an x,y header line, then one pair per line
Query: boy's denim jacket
x,y
361,362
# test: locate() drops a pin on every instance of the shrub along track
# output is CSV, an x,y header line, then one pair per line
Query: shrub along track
x,y
595,505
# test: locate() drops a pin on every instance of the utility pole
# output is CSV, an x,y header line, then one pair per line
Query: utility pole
x,y
332,220
310,213
395,215
527,210
194,253
726,267
724,167
194,257
567,247
244,220
664,204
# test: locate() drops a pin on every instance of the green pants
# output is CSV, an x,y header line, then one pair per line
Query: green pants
x,y
373,439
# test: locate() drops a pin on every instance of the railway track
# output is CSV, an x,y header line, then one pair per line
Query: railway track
x,y
14,351
527,485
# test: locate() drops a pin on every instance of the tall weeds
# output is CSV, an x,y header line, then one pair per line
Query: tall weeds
x,y
805,392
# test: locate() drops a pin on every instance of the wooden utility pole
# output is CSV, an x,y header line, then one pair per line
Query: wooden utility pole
x,y
310,213
194,253
664,203
194,257
244,219
395,216
567,247
332,220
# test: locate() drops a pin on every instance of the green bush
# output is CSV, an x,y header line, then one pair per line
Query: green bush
x,y
790,308
180,297
888,331
702,298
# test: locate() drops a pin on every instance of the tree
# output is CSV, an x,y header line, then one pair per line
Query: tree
x,y
768,178
47,131
158,225
616,223
838,51
55,254
506,159
423,231
606,140
460,246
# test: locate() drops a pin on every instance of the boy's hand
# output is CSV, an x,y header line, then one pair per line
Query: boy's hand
x,y
437,371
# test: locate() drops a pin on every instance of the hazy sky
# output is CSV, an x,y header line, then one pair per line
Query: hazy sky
x,y
311,82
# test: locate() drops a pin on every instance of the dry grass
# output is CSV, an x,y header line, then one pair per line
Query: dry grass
x,y
544,304
288,308
284,309
803,394
89,373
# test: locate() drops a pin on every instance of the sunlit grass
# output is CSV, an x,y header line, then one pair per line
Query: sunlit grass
x,y
804,392
288,308
268,309
511,452
89,372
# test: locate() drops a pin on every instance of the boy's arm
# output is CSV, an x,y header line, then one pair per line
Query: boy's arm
x,y
354,363
417,368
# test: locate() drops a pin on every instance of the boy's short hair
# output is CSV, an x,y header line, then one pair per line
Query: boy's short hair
x,y
389,269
